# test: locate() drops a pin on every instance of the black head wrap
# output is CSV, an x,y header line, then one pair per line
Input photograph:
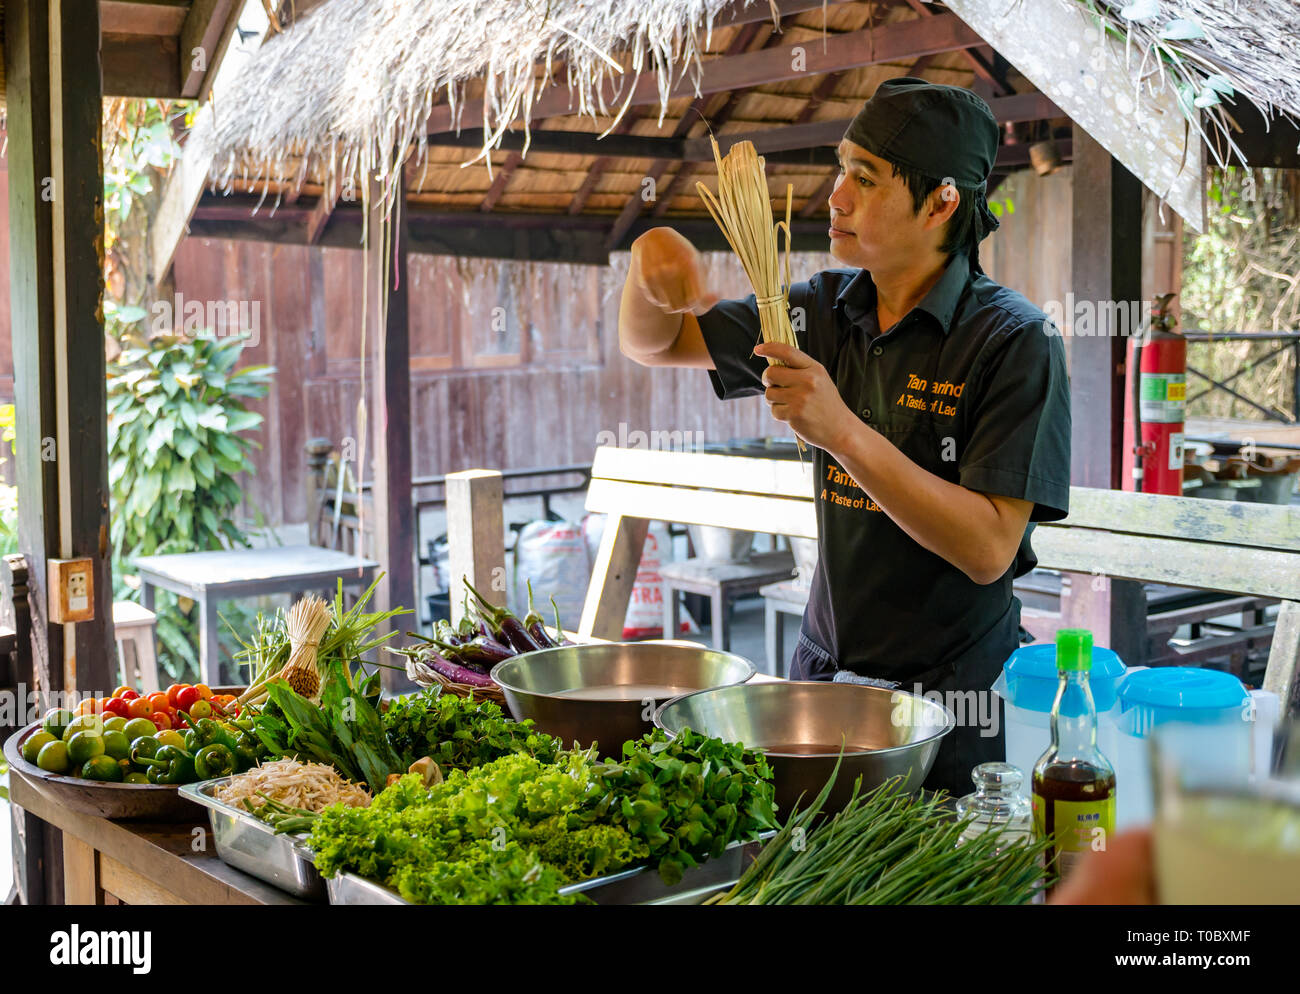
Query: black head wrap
x,y
944,132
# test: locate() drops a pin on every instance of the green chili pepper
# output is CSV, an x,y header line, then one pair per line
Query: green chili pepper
x,y
248,749
145,747
169,767
214,761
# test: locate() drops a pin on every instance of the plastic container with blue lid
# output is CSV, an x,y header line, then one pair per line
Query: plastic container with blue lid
x,y
1179,693
1031,677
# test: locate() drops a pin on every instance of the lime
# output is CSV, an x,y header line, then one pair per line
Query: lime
x,y
170,737
32,747
53,757
137,727
56,720
92,723
115,724
135,778
84,746
116,744
103,768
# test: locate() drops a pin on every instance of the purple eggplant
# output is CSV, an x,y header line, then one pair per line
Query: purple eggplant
x,y
488,652
505,626
535,624
454,671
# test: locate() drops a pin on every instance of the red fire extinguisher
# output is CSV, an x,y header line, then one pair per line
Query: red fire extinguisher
x,y
1157,379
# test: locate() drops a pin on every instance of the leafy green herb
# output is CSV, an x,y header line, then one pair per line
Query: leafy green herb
x,y
459,732
687,798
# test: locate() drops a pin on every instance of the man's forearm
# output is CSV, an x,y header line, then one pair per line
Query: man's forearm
x,y
962,526
644,330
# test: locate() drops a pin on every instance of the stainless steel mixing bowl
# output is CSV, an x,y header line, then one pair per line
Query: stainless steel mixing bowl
x,y
800,725
607,692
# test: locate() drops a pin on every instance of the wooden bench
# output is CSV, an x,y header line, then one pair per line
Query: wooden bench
x,y
1245,549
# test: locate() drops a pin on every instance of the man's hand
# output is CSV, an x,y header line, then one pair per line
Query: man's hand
x,y
802,394
669,273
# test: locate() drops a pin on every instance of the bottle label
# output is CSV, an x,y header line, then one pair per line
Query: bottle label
x,y
1081,827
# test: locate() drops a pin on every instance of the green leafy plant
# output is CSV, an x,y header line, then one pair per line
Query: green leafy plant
x,y
176,435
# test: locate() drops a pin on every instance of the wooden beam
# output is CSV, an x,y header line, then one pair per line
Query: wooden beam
x,y
76,168
597,170
142,17
200,41
388,414
1106,265
141,66
475,535
500,181
886,43
983,70
189,175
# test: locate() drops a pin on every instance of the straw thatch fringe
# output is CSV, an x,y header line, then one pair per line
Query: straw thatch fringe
x,y
354,81
1212,52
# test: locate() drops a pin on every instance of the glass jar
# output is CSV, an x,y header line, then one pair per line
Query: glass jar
x,y
996,805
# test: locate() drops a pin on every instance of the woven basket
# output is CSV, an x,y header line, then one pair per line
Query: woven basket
x,y
425,676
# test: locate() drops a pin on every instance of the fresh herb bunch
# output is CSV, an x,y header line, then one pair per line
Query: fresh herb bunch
x,y
459,732
887,847
345,731
506,832
687,798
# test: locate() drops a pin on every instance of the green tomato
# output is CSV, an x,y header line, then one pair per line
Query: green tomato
x,y
56,720
32,747
116,744
115,724
137,727
85,746
135,778
53,757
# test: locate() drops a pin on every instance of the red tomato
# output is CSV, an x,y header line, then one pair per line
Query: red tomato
x,y
204,691
160,720
117,706
186,698
139,707
173,692
121,691
128,694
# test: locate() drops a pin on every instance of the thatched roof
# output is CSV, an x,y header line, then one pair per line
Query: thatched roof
x,y
355,84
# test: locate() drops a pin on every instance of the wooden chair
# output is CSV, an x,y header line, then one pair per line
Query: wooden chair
x,y
1250,550
333,521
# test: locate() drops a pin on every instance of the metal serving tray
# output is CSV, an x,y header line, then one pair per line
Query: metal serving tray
x,y
639,885
249,844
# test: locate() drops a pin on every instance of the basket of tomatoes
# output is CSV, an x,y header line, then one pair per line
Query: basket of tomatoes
x,y
124,756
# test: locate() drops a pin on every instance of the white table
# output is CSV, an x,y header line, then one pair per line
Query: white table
x,y
228,574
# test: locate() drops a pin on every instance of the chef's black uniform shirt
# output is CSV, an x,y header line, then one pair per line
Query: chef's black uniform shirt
x,y
971,385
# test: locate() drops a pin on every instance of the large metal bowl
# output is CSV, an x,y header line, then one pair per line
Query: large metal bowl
x,y
607,692
800,726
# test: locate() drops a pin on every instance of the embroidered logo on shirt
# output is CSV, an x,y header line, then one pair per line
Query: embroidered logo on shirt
x,y
937,403
836,477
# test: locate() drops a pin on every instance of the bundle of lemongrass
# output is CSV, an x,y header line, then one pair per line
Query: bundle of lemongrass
x,y
293,644
743,210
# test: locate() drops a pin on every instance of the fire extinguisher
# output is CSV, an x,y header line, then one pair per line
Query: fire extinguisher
x,y
1158,381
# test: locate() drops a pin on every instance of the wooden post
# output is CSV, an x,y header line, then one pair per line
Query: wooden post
x,y
56,263
476,536
389,414
613,576
1106,267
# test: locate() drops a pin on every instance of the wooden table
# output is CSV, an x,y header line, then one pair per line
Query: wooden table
x,y
127,862
721,583
780,599
211,577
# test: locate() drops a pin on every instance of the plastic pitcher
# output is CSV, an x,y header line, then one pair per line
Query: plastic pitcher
x,y
1027,686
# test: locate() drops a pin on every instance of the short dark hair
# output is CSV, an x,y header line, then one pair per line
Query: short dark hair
x,y
963,226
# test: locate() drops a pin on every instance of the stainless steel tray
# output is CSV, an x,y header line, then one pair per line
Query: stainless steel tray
x,y
639,885
249,844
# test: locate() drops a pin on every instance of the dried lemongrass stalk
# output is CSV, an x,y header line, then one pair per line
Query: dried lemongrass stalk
x,y
743,210
307,622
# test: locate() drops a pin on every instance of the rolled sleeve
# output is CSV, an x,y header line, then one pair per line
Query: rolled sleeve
x,y
731,330
1019,441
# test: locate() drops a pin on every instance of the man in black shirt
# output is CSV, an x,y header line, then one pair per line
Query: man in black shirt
x,y
936,401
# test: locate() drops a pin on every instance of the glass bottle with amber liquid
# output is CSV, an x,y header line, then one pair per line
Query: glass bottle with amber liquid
x,y
1073,790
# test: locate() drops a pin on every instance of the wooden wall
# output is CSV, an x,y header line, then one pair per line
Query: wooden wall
x,y
513,366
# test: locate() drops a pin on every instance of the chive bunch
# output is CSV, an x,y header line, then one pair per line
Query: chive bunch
x,y
887,847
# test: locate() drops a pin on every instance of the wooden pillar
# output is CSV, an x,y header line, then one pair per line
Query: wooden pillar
x,y
389,413
476,536
56,221
1106,267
